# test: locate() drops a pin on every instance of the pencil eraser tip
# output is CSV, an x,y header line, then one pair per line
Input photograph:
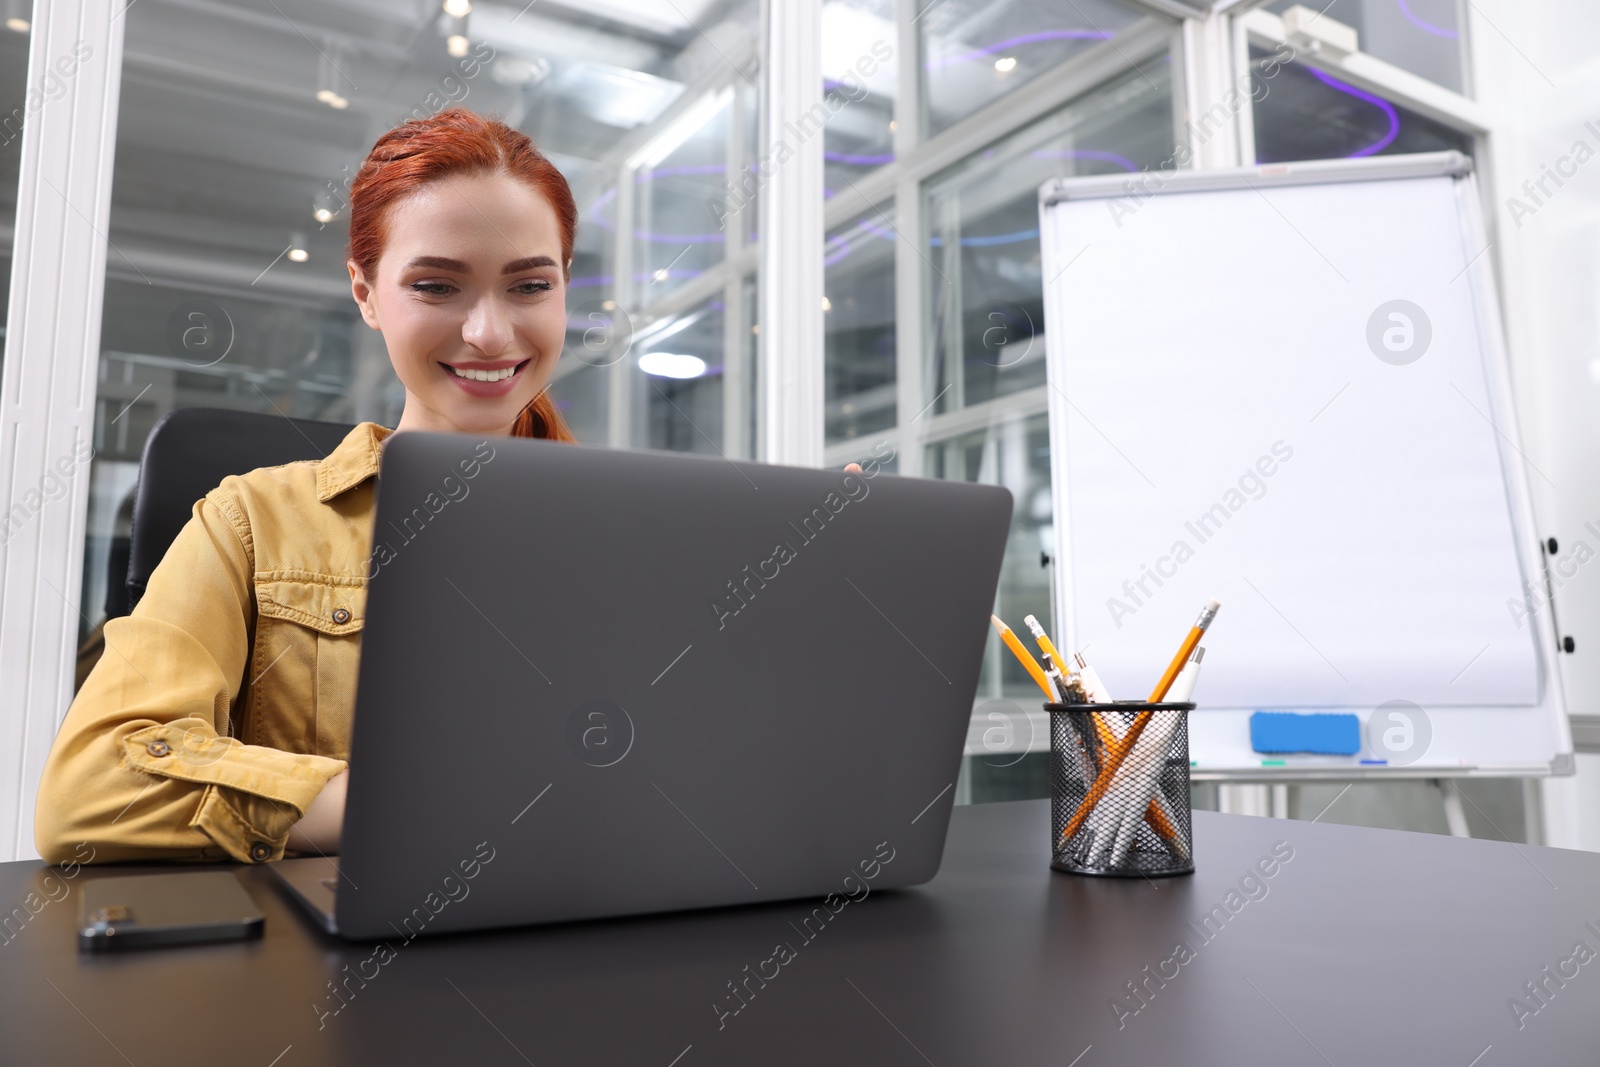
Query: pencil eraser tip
x,y
1213,604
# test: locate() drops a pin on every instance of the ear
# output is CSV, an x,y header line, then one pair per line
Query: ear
x,y
361,290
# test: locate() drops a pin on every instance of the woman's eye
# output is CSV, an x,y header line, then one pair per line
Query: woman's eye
x,y
529,288
431,288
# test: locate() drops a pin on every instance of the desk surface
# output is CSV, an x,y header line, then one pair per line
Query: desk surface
x,y
1364,947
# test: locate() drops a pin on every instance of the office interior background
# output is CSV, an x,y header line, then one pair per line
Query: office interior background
x,y
174,156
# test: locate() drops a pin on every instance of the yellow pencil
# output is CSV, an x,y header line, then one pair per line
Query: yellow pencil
x,y
1023,657
1120,751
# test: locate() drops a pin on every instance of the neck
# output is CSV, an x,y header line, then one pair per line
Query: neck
x,y
416,417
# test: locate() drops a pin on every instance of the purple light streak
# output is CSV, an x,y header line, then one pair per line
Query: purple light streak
x,y
1376,101
1423,24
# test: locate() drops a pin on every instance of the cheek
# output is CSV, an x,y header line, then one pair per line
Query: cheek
x,y
412,330
546,327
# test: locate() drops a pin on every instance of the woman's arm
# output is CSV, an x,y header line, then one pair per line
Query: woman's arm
x,y
318,830
143,767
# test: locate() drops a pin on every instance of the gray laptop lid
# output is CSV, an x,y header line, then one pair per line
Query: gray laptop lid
x,y
598,683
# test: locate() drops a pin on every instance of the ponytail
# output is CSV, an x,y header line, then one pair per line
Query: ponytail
x,y
541,419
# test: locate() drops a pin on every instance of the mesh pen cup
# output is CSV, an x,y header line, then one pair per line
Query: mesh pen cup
x,y
1119,789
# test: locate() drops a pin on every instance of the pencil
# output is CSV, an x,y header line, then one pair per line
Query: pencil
x,y
1024,657
1120,751
1196,632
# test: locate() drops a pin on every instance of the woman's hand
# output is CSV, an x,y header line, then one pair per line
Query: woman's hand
x,y
318,830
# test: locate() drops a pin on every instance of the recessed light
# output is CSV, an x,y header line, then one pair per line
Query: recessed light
x,y
456,44
457,9
672,365
1005,64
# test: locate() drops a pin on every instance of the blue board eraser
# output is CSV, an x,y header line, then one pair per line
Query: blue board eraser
x,y
1322,733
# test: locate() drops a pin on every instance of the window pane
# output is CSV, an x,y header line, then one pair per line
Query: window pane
x,y
679,233
858,82
13,112
976,51
1015,453
985,287
1421,36
859,346
680,381
1304,113
234,127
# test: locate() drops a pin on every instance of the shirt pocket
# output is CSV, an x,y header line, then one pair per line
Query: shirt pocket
x,y
303,664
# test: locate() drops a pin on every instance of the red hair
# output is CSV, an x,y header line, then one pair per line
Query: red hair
x,y
457,141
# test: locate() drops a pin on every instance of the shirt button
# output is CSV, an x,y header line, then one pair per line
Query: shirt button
x,y
158,748
260,852
341,616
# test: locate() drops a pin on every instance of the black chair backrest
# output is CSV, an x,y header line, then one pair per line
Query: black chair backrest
x,y
188,454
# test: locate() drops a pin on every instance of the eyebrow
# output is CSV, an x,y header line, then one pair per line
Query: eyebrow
x,y
456,265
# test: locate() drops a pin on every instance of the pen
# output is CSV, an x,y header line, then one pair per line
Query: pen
x,y
1119,752
1155,810
1149,754
1024,657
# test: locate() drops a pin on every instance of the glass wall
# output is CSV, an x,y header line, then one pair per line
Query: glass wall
x,y
966,231
13,111
1306,113
1421,36
976,51
858,261
986,314
241,125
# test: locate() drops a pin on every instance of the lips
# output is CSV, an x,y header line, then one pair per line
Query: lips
x,y
485,378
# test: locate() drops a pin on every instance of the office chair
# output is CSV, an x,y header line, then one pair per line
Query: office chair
x,y
187,455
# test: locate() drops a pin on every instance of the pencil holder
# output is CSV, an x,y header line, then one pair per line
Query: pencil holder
x,y
1119,789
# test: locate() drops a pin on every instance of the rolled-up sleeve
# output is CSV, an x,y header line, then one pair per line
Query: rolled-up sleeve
x,y
143,767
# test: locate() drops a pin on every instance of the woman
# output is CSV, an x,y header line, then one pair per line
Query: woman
x,y
217,723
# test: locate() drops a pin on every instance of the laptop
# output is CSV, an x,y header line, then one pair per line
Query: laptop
x,y
597,683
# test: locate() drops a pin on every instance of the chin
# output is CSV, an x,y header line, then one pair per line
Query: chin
x,y
483,420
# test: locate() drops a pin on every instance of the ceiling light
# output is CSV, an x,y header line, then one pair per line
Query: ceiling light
x,y
609,305
457,8
672,365
661,275
827,305
19,25
297,248
328,60
322,214
520,70
1006,64
456,44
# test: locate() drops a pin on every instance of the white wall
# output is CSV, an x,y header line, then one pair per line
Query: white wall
x,y
1537,70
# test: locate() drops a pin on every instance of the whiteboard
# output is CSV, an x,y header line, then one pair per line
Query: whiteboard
x,y
1284,386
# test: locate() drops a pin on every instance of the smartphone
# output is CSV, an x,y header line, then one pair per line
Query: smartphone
x,y
148,910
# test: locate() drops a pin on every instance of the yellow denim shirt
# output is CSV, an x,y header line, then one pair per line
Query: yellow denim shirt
x,y
221,706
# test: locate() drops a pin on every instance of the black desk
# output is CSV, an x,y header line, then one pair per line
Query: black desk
x,y
1369,947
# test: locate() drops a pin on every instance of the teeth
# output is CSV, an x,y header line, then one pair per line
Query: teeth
x,y
484,375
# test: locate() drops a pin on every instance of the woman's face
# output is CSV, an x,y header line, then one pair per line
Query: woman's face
x,y
470,296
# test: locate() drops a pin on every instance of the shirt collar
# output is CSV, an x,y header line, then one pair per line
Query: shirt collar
x,y
352,462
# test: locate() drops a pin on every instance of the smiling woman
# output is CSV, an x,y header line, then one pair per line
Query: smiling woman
x,y
221,726
461,237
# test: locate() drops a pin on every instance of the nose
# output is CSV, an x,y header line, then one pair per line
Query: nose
x,y
488,327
